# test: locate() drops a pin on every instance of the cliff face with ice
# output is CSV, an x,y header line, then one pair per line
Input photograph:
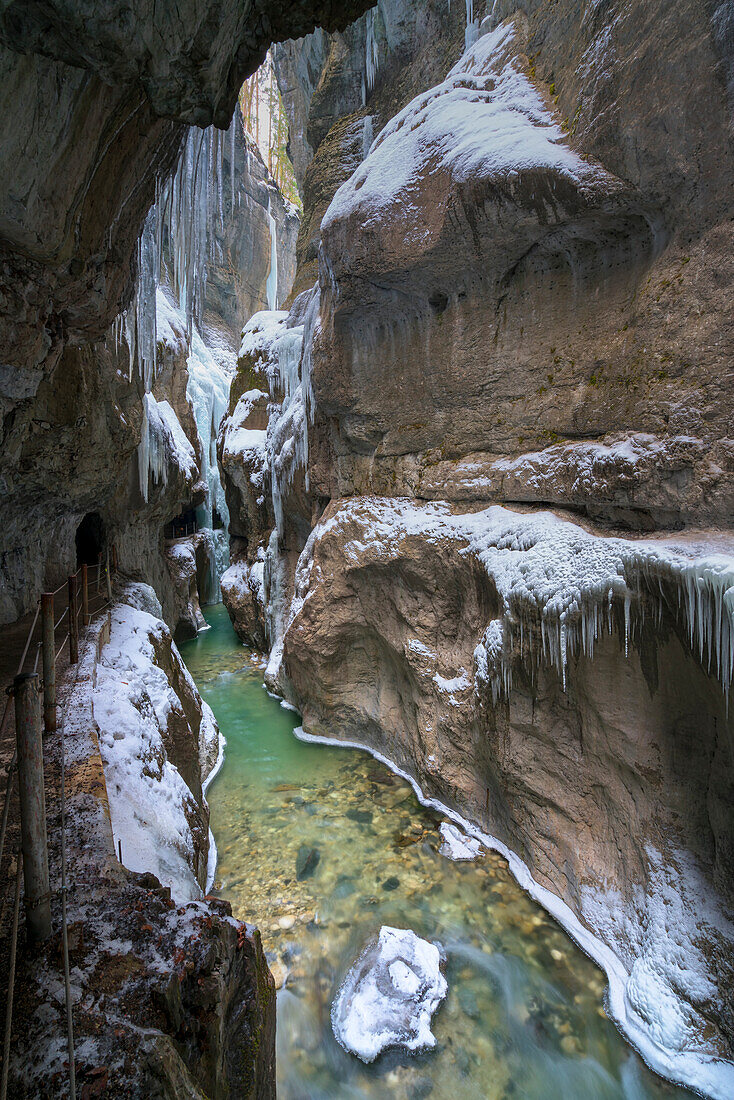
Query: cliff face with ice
x,y
126,427
517,227
96,105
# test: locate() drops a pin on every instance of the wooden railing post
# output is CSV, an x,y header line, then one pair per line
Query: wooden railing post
x,y
107,575
32,806
48,646
85,596
73,624
99,573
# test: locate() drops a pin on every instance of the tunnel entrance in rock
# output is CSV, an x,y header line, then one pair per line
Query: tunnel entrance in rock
x,y
90,539
181,525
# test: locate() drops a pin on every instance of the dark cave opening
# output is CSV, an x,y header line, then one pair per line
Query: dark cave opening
x,y
91,539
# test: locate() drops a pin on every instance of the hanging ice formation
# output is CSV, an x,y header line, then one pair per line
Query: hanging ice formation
x,y
162,440
471,34
271,286
179,238
370,50
208,390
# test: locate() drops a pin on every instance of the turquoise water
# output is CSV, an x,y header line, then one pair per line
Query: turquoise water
x,y
524,1015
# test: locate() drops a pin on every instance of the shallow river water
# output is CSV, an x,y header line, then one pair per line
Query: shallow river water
x,y
524,1014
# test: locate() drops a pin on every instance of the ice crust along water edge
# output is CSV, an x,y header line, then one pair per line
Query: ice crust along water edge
x,y
696,1070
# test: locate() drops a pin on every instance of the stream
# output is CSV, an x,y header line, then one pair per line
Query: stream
x,y
524,1015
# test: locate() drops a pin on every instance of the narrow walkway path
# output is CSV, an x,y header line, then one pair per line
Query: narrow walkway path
x,y
20,652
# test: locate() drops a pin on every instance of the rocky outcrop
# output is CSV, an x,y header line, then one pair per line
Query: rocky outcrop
x,y
427,352
610,774
169,1000
520,236
243,593
236,285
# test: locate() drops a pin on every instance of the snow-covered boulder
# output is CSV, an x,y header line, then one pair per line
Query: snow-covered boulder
x,y
243,593
389,996
159,743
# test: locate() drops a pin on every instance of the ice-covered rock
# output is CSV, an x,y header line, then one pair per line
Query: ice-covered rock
x,y
389,996
645,625
457,845
159,742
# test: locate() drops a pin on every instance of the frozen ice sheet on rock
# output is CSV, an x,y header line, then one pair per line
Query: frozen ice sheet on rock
x,y
389,996
457,845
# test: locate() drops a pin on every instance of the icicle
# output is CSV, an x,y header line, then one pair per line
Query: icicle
x,y
371,52
271,286
471,34
232,156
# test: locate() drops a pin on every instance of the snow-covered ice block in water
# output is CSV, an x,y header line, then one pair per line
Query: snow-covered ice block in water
x,y
389,996
457,845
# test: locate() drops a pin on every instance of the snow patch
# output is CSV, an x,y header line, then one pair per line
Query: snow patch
x,y
485,119
149,801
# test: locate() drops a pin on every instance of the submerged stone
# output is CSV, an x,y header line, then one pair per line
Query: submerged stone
x,y
389,996
363,817
307,861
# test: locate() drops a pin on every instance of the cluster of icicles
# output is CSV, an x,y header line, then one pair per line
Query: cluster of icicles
x,y
179,239
698,593
289,375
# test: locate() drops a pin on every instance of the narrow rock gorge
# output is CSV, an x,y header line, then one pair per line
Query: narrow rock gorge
x,y
407,331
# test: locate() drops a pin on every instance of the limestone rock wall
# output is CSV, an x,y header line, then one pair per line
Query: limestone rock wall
x,y
95,99
71,447
236,284
500,305
613,782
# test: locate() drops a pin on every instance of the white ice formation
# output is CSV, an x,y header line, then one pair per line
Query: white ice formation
x,y
389,996
458,845
560,587
271,285
285,354
150,804
163,445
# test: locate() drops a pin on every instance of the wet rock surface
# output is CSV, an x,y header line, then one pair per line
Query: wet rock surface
x,y
377,654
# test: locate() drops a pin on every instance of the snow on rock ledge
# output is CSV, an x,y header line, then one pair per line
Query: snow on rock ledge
x,y
486,124
557,584
389,996
159,741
